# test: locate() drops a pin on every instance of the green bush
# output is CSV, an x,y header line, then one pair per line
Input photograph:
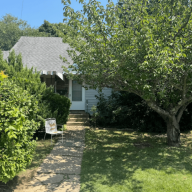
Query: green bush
x,y
123,109
17,110
59,106
26,79
186,119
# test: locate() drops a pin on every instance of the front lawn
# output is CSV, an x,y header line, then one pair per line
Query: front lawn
x,y
130,161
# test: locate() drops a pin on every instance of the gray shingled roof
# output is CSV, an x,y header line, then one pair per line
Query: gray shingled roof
x,y
5,54
42,53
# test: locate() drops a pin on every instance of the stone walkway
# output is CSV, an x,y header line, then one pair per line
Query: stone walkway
x,y
60,171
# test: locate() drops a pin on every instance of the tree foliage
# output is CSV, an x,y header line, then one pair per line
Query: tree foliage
x,y
53,29
150,57
12,28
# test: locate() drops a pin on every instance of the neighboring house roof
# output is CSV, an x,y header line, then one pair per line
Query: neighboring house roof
x,y
42,53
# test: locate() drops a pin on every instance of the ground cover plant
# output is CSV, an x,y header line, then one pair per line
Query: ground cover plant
x,y
131,161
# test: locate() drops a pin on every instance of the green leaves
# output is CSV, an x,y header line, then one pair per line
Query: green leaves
x,y
138,46
16,129
11,29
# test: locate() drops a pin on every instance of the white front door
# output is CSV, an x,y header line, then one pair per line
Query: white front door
x,y
76,95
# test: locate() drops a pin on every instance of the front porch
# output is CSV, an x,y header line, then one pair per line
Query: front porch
x,y
67,87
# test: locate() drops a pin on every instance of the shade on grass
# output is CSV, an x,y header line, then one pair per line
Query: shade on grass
x,y
128,161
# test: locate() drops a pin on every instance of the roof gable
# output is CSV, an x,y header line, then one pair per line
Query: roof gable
x,y
42,53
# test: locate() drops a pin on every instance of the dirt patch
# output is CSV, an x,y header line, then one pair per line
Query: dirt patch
x,y
19,180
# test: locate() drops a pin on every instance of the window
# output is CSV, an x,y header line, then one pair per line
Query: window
x,y
76,91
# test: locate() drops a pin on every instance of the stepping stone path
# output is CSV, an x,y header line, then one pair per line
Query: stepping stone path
x,y
60,171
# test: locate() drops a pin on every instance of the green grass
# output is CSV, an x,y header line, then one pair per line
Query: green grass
x,y
128,161
43,148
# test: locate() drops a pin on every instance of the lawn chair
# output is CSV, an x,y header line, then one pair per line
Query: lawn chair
x,y
51,128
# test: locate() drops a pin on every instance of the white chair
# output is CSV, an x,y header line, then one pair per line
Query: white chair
x,y
51,128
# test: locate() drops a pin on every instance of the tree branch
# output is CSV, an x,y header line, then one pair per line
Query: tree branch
x,y
180,104
181,110
158,109
184,24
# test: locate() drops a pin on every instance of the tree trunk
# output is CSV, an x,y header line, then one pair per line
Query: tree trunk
x,y
173,131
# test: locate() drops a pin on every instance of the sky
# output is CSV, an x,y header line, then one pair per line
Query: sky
x,y
36,11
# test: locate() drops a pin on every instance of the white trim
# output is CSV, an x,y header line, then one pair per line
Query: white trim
x,y
76,105
60,75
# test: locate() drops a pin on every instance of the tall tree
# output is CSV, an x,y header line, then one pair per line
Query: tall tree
x,y
150,57
12,28
53,29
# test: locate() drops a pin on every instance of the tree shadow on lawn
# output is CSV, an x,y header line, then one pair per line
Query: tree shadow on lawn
x,y
115,158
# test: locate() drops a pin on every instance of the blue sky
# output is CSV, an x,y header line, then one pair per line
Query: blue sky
x,y
36,11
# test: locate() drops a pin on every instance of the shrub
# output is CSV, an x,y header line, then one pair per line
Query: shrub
x,y
25,78
123,109
186,119
17,111
59,106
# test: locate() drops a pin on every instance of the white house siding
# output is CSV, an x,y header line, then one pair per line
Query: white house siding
x,y
91,100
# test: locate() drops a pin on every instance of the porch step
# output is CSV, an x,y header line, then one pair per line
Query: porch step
x,y
77,124
78,118
85,115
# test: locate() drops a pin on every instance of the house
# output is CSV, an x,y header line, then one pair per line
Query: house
x,y
43,53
